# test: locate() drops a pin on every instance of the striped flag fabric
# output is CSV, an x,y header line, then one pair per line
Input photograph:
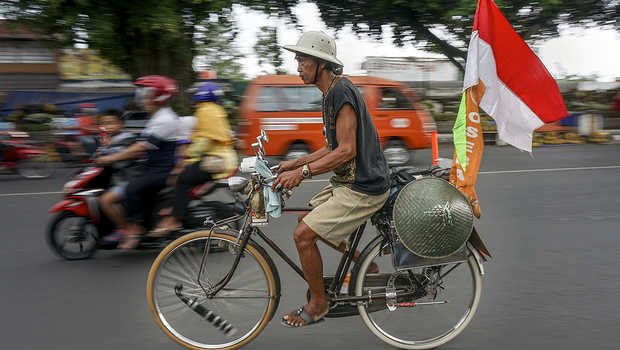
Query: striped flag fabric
x,y
506,79
520,93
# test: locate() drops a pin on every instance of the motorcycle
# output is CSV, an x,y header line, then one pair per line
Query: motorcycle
x,y
20,156
79,227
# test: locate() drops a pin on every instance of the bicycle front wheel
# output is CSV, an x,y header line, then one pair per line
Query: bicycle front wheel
x,y
231,318
436,303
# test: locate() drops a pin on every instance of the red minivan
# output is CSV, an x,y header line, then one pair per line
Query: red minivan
x,y
290,112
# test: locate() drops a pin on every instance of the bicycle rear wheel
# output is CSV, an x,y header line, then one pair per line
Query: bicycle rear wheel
x,y
445,299
230,319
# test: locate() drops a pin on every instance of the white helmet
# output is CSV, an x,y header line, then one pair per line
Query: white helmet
x,y
316,44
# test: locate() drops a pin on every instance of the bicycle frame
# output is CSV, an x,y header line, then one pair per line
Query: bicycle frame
x,y
244,237
248,230
332,291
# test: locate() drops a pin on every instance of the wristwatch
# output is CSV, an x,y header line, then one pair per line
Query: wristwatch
x,y
305,172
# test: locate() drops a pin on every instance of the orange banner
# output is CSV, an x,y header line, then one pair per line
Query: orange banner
x,y
469,144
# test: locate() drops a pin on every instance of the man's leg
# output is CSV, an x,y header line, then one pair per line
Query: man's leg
x,y
191,176
136,197
109,203
312,266
374,268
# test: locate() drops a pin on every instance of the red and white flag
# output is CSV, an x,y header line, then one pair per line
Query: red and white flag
x,y
520,93
506,79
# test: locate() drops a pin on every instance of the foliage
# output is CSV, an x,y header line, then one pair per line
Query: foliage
x,y
420,22
164,36
216,48
268,50
141,37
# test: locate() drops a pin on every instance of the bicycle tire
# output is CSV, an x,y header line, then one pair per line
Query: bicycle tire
x,y
452,329
264,262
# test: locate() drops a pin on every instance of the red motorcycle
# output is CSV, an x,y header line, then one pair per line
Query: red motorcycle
x,y
79,227
20,156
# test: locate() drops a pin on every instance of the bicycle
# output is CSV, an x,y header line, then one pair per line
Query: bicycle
x,y
415,303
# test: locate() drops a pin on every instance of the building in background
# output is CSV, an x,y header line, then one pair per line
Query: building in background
x,y
28,60
429,77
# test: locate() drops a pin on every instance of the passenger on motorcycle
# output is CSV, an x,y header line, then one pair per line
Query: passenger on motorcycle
x,y
210,155
88,127
81,130
159,141
352,150
116,140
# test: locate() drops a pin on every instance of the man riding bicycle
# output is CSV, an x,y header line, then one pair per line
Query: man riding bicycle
x,y
352,150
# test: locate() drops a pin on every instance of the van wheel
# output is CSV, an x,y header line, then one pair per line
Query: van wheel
x,y
296,150
396,153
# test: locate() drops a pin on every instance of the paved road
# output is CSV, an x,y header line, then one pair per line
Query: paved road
x,y
552,222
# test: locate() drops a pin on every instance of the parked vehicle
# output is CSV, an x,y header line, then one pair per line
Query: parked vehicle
x,y
79,226
23,157
291,112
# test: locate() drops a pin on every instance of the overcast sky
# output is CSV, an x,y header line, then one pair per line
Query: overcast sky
x,y
576,52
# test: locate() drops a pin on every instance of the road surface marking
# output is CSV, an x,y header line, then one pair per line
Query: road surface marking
x,y
27,194
326,180
551,169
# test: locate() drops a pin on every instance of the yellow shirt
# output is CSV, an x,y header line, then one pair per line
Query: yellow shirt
x,y
212,137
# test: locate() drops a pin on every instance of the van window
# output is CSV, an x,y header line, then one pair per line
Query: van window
x,y
270,100
392,98
290,98
303,98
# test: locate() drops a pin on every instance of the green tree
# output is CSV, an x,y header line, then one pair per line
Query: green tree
x,y
420,21
140,37
215,42
268,50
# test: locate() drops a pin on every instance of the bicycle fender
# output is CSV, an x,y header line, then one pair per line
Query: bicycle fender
x,y
478,258
476,241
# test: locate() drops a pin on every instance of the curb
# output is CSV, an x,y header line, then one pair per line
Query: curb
x,y
447,138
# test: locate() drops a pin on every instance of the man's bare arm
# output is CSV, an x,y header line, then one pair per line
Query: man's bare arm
x,y
346,130
346,134
311,157
131,152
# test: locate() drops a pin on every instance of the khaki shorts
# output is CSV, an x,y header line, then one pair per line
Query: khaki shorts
x,y
338,211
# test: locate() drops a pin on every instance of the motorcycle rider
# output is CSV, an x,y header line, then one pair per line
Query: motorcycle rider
x,y
210,155
80,130
159,141
88,127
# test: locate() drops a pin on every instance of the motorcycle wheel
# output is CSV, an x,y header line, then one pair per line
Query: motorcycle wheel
x,y
37,167
72,237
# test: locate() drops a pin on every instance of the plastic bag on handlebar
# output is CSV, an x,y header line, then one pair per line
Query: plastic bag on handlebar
x,y
273,206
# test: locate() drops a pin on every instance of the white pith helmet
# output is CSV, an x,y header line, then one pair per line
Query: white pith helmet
x,y
316,44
